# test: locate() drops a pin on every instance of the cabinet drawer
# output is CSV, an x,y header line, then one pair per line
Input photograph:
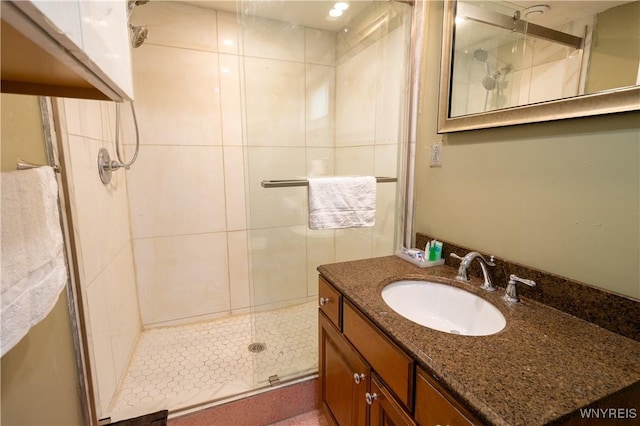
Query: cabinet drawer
x,y
385,357
330,302
435,406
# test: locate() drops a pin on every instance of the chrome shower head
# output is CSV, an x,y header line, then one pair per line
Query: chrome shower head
x,y
133,3
138,36
480,55
489,82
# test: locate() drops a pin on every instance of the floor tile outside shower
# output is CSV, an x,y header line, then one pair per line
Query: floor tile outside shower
x,y
178,367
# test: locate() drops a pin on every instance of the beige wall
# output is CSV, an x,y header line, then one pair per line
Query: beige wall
x,y
563,196
39,376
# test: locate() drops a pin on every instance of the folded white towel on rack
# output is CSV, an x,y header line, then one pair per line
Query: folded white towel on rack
x,y
33,264
342,202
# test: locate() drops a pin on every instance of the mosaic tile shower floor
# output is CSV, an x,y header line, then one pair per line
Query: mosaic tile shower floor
x,y
178,367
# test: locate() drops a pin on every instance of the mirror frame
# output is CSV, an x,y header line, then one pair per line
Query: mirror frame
x,y
605,102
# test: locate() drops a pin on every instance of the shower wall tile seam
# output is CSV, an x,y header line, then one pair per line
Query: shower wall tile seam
x,y
151,237
107,265
191,49
189,320
181,145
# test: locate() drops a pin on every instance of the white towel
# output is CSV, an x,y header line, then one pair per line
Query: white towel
x,y
342,202
33,264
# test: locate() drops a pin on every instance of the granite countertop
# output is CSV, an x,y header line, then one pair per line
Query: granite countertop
x,y
542,367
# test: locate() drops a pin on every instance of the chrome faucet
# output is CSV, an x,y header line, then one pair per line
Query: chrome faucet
x,y
511,294
466,261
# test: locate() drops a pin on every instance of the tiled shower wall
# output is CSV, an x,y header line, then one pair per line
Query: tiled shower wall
x,y
219,112
187,189
101,230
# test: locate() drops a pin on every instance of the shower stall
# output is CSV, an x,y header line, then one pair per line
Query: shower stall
x,y
197,282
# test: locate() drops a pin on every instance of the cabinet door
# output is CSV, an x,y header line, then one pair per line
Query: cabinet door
x,y
343,396
434,408
385,410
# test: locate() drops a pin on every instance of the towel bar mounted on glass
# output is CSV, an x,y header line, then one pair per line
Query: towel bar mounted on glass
x,y
304,182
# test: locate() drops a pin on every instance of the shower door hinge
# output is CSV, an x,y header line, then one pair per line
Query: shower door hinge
x,y
274,380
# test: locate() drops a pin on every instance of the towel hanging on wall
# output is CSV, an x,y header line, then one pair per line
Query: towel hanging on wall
x,y
342,202
33,264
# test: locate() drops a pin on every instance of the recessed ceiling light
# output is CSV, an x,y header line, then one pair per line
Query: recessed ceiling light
x,y
335,12
537,10
341,5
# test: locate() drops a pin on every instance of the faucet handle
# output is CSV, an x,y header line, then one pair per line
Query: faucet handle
x,y
511,294
491,261
514,277
455,256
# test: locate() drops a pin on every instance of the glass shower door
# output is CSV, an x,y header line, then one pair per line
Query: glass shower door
x,y
323,95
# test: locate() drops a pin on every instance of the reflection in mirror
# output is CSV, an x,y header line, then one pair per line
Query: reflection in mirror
x,y
504,56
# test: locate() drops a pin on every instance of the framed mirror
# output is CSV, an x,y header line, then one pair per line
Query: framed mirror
x,y
514,62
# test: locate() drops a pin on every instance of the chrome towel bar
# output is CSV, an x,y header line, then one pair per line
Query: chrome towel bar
x,y
304,182
26,165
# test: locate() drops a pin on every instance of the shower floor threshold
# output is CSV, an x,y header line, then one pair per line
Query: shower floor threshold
x,y
178,368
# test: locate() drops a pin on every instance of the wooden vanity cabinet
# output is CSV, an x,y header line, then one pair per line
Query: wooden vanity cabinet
x,y
434,406
385,410
366,379
349,346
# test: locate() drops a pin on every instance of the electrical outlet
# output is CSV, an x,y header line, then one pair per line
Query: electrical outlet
x,y
436,153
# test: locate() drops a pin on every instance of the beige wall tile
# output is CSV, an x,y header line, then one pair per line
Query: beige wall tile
x,y
356,99
238,270
320,250
102,220
320,47
278,257
229,34
275,102
177,190
266,38
100,337
175,88
176,25
181,277
234,171
230,98
355,161
271,207
320,105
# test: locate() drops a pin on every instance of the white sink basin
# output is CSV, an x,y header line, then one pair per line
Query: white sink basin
x,y
443,307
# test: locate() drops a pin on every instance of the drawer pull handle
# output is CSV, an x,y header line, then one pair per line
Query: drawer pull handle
x,y
370,397
358,378
324,301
